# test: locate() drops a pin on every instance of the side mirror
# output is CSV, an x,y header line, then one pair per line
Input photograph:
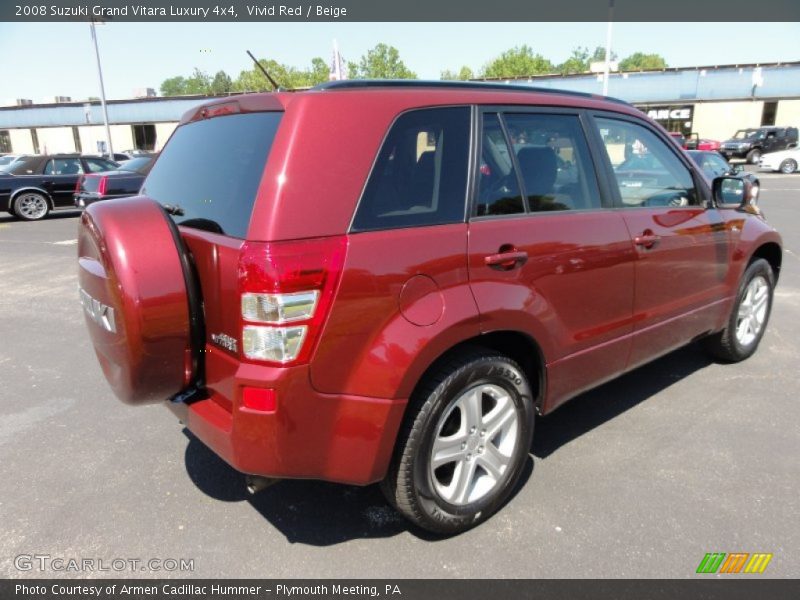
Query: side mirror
x,y
735,192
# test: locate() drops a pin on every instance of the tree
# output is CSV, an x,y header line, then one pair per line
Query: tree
x,y
519,61
578,61
382,62
287,77
199,83
464,74
639,61
599,55
174,86
222,83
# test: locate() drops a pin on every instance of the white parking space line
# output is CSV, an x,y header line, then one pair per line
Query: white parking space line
x,y
65,243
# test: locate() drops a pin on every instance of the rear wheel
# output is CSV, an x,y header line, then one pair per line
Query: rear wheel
x,y
461,453
754,156
788,166
748,319
31,206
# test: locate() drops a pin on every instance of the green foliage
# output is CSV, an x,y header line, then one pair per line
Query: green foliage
x,y
222,83
520,61
464,74
639,61
578,62
174,86
382,62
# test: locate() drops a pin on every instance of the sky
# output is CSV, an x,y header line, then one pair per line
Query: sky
x,y
59,58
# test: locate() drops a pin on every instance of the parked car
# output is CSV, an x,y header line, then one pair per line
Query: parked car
x,y
38,184
695,142
678,137
712,164
124,180
394,294
785,161
9,160
750,144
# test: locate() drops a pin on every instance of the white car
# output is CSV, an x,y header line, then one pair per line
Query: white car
x,y
785,161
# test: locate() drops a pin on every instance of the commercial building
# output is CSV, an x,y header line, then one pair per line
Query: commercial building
x,y
712,101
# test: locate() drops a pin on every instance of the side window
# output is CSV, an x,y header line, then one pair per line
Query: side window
x,y
96,165
420,175
718,165
646,170
554,162
63,166
498,185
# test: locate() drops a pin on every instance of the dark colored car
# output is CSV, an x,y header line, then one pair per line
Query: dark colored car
x,y
395,294
38,184
712,164
750,144
125,180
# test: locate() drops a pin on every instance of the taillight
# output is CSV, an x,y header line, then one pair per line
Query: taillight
x,y
79,183
286,291
101,187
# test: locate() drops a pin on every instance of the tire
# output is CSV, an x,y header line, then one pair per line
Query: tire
x,y
788,166
749,317
754,156
482,472
31,206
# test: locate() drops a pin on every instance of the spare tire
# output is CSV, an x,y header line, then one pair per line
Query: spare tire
x,y
133,283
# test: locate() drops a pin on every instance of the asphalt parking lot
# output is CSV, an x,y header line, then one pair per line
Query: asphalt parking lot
x,y
639,478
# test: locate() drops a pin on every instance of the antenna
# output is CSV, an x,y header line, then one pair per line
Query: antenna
x,y
264,71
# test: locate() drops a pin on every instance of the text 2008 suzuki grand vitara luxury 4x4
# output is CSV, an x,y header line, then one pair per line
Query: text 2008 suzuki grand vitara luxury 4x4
x,y
386,281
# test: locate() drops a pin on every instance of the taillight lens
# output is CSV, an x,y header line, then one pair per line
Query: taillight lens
x,y
286,293
79,183
101,187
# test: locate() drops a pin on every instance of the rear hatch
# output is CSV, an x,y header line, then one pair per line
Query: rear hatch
x,y
207,178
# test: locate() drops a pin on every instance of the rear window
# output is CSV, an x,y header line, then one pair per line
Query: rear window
x,y
420,175
90,184
210,170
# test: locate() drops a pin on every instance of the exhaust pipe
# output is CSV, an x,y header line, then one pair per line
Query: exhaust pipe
x,y
256,483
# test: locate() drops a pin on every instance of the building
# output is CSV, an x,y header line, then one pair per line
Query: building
x,y
712,101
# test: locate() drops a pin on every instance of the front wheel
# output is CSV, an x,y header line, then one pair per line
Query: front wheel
x,y
748,319
754,156
788,166
31,206
462,451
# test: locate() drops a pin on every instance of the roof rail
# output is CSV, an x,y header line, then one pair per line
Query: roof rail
x,y
465,85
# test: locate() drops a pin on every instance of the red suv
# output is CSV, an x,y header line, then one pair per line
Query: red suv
x,y
386,281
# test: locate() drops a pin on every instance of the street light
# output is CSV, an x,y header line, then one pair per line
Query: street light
x,y
109,147
607,67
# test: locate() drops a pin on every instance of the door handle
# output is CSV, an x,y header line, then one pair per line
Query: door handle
x,y
647,239
505,261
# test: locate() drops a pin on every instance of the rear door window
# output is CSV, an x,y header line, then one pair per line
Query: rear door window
x,y
210,170
420,175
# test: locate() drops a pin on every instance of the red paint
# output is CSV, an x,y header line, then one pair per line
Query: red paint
x,y
598,292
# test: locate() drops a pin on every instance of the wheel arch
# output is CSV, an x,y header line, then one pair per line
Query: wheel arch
x,y
771,252
518,346
30,188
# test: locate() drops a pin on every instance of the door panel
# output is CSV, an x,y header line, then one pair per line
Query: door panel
x,y
681,246
545,257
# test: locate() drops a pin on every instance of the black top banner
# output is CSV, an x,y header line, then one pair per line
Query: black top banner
x,y
406,11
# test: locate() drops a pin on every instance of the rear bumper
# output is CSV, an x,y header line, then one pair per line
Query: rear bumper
x,y
347,439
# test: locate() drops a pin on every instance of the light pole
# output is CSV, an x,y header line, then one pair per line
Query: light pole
x,y
109,147
607,67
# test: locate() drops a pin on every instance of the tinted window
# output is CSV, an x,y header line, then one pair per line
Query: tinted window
x,y
498,185
136,164
63,166
647,171
211,170
98,164
420,175
554,162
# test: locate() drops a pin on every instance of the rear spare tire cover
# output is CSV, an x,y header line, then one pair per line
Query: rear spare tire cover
x,y
133,292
